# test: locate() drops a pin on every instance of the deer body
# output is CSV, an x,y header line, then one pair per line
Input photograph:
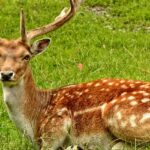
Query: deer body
x,y
95,113
91,115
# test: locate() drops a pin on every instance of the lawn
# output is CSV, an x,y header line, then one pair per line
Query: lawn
x,y
108,38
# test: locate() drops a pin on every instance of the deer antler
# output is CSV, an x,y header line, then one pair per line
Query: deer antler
x,y
23,27
64,16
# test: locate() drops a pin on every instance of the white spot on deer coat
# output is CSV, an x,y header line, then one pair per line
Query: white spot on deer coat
x,y
141,92
110,122
103,89
113,101
87,110
61,111
131,98
116,84
61,98
132,85
133,103
64,91
107,90
67,124
86,90
105,80
145,86
145,100
70,86
124,93
123,99
89,84
71,96
123,124
67,94
145,94
122,81
145,117
90,96
134,93
119,115
124,86
103,107
137,82
97,84
110,83
78,93
116,107
132,121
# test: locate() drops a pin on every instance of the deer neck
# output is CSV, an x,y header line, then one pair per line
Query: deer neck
x,y
22,103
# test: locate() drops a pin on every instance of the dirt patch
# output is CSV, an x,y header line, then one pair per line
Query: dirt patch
x,y
99,10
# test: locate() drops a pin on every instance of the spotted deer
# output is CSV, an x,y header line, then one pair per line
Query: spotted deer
x,y
90,115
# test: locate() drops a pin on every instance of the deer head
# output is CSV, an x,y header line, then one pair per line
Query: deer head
x,y
16,54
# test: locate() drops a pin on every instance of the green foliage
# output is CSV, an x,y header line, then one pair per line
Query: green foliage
x,y
109,37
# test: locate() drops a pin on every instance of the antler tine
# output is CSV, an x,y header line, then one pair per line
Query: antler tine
x,y
23,27
61,19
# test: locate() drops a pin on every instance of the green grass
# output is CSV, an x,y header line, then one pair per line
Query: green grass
x,y
112,42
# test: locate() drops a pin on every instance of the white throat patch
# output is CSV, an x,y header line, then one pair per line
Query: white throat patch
x,y
13,98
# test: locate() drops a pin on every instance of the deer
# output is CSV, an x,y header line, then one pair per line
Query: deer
x,y
97,114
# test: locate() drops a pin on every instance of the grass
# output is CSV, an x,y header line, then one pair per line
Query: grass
x,y
109,37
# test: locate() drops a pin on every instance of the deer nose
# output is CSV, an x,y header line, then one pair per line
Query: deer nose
x,y
6,75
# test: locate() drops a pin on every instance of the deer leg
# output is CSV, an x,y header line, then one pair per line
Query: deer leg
x,y
126,120
56,132
118,146
75,147
54,142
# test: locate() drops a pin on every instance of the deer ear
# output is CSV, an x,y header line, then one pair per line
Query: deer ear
x,y
39,46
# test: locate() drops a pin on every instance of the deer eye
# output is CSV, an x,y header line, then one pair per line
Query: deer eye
x,y
26,57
